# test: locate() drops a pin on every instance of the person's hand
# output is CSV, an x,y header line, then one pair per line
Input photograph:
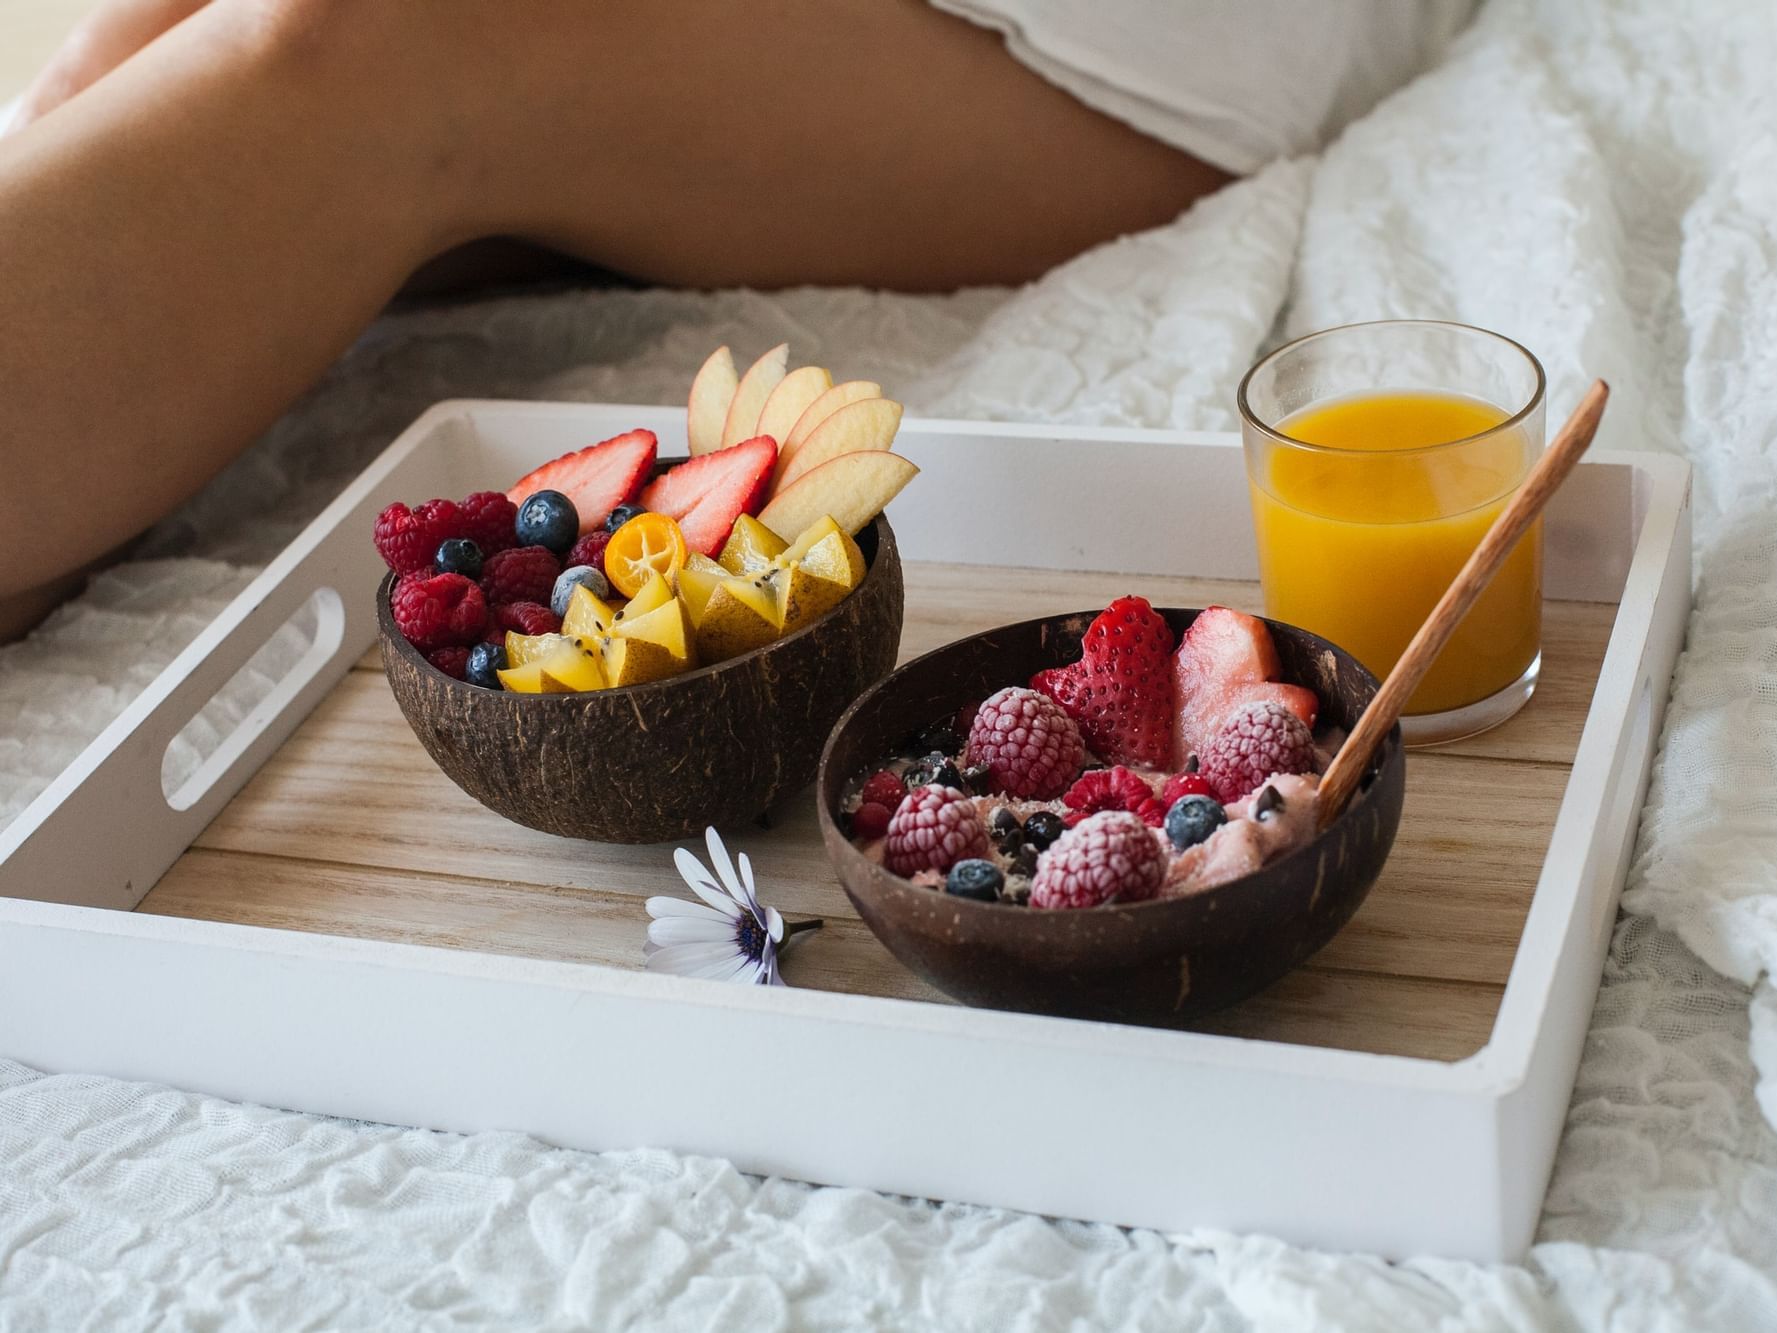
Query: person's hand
x,y
111,35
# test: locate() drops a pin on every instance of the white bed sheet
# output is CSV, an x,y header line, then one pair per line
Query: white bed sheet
x,y
1597,180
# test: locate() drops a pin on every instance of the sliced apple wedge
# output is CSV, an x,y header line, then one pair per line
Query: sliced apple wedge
x,y
790,400
852,488
711,393
840,395
866,426
763,376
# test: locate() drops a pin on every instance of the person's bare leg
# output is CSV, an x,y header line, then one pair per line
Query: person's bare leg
x,y
187,244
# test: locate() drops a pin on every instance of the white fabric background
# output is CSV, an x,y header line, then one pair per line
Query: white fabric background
x,y
1597,180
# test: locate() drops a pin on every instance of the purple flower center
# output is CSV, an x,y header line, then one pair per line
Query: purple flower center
x,y
749,936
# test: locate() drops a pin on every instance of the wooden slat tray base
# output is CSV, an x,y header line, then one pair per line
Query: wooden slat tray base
x,y
351,830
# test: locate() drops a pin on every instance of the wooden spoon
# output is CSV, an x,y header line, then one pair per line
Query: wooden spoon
x,y
1353,759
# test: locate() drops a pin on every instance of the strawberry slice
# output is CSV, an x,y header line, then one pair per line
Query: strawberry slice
x,y
598,478
1226,660
707,493
1120,691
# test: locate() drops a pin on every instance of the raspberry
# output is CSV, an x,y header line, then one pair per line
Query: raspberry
x,y
1185,784
870,820
451,661
589,550
522,574
1111,857
885,789
934,829
1257,741
1112,789
1030,746
407,539
438,610
526,618
488,517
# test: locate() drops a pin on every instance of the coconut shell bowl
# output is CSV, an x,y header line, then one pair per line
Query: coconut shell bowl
x,y
1160,963
660,761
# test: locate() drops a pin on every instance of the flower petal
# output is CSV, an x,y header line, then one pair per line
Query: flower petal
x,y
749,893
692,871
723,864
693,960
774,925
690,930
661,906
742,970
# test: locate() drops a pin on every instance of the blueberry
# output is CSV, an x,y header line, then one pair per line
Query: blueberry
x,y
486,660
975,879
934,770
1024,862
549,519
458,555
621,515
1042,829
1192,819
978,780
574,577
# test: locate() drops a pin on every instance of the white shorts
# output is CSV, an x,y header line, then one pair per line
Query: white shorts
x,y
1237,83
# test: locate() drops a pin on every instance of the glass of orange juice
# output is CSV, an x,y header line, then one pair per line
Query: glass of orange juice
x,y
1377,456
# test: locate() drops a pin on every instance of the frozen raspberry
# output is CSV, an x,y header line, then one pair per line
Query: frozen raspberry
x,y
884,788
451,661
934,829
522,574
439,610
1027,743
1111,857
488,517
1112,789
407,539
526,618
870,820
589,550
1185,784
1257,740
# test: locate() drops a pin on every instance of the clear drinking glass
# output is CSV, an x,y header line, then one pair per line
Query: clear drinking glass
x,y
1377,457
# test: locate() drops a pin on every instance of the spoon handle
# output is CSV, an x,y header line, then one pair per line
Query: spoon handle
x,y
1348,766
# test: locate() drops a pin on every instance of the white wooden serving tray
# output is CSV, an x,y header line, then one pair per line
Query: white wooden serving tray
x,y
1342,1148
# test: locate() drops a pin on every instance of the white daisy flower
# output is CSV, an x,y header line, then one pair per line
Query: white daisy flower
x,y
728,936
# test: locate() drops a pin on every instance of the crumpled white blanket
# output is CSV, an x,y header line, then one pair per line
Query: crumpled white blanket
x,y
1597,180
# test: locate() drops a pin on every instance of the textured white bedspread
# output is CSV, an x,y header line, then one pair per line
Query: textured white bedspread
x,y
1600,182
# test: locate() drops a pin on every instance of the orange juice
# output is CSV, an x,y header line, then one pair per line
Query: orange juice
x,y
1360,537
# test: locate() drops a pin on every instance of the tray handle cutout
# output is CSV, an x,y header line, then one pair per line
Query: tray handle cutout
x,y
218,734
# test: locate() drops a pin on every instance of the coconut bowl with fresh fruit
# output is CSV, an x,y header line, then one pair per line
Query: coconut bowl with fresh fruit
x,y
625,648
1108,816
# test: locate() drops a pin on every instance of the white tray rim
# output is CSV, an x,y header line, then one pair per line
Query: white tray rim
x,y
1494,1073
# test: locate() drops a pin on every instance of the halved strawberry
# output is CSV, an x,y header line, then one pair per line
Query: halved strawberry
x,y
1227,659
706,494
598,478
1119,692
